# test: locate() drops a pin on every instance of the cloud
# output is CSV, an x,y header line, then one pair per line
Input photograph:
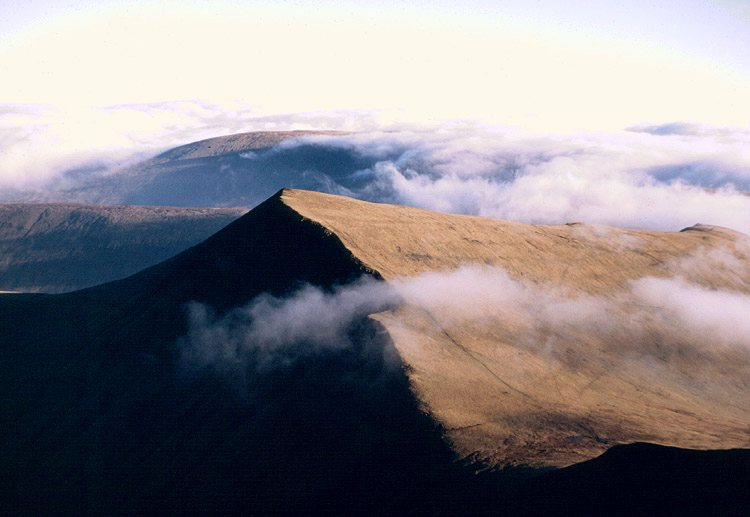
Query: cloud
x,y
651,318
622,179
48,150
716,318
687,129
272,332
40,144
660,321
661,177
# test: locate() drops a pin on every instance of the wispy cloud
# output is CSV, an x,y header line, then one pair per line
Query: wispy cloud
x,y
652,321
272,332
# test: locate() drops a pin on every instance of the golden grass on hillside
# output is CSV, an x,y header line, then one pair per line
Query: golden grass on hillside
x,y
581,362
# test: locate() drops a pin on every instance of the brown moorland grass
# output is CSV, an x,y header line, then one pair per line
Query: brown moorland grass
x,y
505,402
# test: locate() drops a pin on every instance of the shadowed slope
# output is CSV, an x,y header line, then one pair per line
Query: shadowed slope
x,y
643,479
99,416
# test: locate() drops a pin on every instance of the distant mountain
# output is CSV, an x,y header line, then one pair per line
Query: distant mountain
x,y
129,397
56,247
228,171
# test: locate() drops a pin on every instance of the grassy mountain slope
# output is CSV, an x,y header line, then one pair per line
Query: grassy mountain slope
x,y
102,414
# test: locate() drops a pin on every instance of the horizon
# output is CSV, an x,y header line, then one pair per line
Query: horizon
x,y
651,90
552,66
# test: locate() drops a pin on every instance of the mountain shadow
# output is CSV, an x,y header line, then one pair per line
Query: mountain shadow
x,y
99,418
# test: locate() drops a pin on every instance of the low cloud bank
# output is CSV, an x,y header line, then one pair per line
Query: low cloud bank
x,y
654,321
664,177
654,318
627,179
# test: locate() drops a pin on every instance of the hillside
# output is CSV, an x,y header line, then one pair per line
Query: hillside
x,y
56,247
228,171
128,396
512,404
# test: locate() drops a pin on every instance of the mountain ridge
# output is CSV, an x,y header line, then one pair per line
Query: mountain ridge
x,y
402,242
239,142
102,415
56,247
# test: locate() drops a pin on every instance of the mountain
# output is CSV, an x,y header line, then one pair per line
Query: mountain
x,y
509,403
155,393
58,247
235,170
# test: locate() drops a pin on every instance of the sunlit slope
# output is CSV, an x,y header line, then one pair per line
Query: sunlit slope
x,y
509,390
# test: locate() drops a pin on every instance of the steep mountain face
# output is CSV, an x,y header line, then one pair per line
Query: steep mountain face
x,y
106,408
101,415
56,248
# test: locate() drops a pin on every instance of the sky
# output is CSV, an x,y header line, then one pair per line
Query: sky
x,y
544,64
617,112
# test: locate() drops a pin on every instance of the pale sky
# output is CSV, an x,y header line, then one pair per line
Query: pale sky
x,y
548,65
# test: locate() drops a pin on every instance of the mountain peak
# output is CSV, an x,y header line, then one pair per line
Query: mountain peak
x,y
507,344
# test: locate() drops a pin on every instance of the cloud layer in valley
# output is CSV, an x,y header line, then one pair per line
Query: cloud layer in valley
x,y
47,151
662,177
39,144
630,179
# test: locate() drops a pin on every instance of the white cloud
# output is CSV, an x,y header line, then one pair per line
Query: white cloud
x,y
666,178
717,318
637,180
270,332
651,321
38,143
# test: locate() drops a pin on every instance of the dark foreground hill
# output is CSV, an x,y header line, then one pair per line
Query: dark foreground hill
x,y
104,412
56,248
